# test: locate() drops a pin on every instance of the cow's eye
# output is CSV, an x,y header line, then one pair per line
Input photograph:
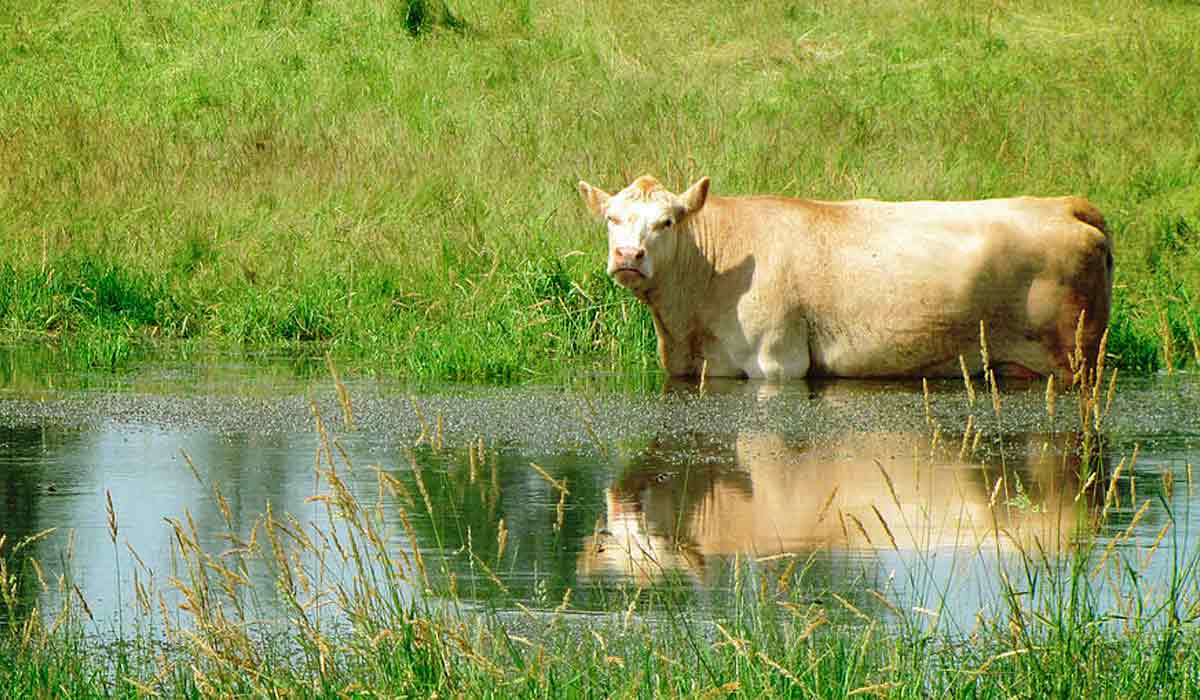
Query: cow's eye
x,y
664,224
614,220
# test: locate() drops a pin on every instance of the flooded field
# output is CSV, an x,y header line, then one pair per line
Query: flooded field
x,y
585,497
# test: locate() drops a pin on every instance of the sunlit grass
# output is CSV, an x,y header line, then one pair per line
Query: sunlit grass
x,y
395,181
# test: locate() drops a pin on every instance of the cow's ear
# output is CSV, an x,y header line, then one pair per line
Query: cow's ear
x,y
595,198
695,196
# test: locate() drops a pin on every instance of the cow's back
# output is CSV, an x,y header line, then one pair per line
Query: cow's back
x,y
892,288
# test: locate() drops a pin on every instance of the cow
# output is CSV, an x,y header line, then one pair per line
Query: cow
x,y
763,494
779,288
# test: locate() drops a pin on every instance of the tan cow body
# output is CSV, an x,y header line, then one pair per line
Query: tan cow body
x,y
766,495
780,288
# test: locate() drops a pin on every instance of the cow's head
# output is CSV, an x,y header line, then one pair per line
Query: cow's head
x,y
643,221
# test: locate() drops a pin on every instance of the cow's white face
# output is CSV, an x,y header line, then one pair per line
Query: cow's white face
x,y
643,220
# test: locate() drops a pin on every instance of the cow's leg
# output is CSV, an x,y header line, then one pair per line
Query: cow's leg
x,y
782,354
1072,338
1086,291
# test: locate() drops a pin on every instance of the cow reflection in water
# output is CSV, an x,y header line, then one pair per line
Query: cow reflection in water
x,y
686,499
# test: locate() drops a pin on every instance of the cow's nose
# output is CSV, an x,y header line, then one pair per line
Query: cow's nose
x,y
634,254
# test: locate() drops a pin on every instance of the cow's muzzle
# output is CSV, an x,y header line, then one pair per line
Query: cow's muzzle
x,y
626,264
627,276
628,257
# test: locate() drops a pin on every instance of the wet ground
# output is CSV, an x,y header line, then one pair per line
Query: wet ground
x,y
868,485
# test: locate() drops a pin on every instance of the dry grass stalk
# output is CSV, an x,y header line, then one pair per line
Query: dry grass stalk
x,y
886,603
1101,355
998,657
223,505
928,408
828,502
416,551
782,671
346,461
29,540
631,608
421,420
995,492
966,438
784,581
849,606
983,347
87,609
586,418
1168,340
887,479
1111,496
342,394
966,375
491,574
813,625
561,508
392,485
417,477
191,466
1193,337
991,376
704,376
141,595
1077,360
37,568
735,642
112,516
560,486
887,530
1112,390
8,586
1126,534
1050,397
1154,547
502,540
861,529
1086,484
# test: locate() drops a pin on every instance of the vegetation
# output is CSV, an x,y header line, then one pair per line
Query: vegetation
x,y
368,615
395,181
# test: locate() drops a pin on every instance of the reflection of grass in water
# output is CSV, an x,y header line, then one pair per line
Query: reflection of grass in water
x,y
365,615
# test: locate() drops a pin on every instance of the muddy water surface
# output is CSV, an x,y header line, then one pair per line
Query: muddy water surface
x,y
846,488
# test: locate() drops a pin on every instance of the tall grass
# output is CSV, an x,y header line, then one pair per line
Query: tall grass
x,y
395,180
367,612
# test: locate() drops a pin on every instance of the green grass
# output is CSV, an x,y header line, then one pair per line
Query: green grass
x,y
395,180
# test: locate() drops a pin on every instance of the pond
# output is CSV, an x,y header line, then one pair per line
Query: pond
x,y
585,496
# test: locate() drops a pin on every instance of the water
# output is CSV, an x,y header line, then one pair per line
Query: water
x,y
674,489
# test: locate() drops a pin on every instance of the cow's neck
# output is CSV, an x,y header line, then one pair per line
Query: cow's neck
x,y
677,301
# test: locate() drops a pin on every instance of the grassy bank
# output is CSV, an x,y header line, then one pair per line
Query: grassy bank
x,y
395,180
368,616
